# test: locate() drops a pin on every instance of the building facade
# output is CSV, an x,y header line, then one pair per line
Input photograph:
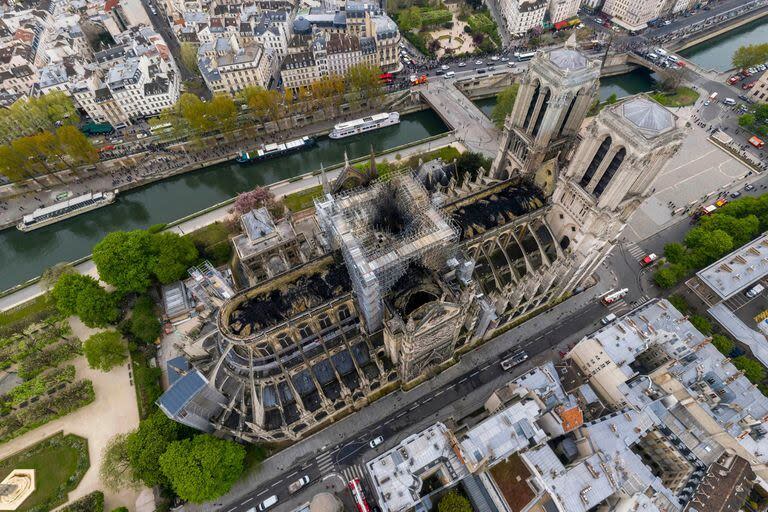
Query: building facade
x,y
633,15
229,67
523,15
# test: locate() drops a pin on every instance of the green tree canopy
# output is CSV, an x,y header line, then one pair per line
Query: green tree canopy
x,y
409,19
505,102
363,80
724,344
701,324
115,471
752,369
105,350
189,57
76,294
674,252
202,468
454,502
144,323
172,255
124,260
750,55
146,444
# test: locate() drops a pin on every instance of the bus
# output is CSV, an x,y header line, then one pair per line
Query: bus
x,y
758,143
713,96
387,78
160,128
524,56
357,494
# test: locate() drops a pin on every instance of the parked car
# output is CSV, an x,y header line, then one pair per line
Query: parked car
x,y
735,194
608,319
515,360
445,67
298,484
462,64
478,63
376,441
749,186
755,291
264,505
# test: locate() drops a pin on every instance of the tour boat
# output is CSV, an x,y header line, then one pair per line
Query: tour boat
x,y
47,215
272,150
366,124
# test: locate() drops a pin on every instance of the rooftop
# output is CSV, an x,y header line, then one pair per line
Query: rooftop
x,y
567,59
649,116
739,269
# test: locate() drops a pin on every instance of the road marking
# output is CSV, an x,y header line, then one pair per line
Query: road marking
x,y
440,392
473,374
246,501
463,380
427,399
400,415
413,407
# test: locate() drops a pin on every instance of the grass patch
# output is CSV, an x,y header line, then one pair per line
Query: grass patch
x,y
26,314
59,462
682,97
302,199
212,243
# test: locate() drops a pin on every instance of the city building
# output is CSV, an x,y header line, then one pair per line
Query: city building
x,y
229,67
329,54
653,359
402,274
760,90
523,15
632,15
24,37
561,10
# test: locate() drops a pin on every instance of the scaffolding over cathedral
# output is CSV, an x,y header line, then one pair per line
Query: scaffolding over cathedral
x,y
387,278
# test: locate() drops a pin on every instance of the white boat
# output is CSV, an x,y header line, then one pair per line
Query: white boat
x,y
366,124
48,215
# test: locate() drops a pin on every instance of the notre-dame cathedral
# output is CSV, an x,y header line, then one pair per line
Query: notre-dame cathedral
x,y
390,278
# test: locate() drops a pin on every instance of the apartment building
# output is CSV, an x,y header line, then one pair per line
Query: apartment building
x,y
23,40
561,10
523,15
633,15
229,67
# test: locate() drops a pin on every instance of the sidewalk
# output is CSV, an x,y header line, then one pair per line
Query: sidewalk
x,y
279,189
378,411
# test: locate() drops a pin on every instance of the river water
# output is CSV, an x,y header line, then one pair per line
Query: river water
x,y
26,255
717,52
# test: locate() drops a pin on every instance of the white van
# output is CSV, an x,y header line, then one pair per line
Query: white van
x,y
661,51
264,505
653,56
450,74
673,58
755,290
729,101
608,319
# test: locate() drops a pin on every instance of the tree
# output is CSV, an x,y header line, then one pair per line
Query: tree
x,y
701,324
51,275
146,444
724,344
752,369
669,276
263,103
115,471
675,252
202,468
454,502
741,230
409,19
77,294
670,79
124,260
172,256
363,81
256,198
223,111
613,98
67,289
76,145
505,102
189,57
750,55
144,323
105,350
680,303
708,245
747,121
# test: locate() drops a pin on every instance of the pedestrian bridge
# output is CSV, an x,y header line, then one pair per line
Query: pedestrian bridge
x,y
471,126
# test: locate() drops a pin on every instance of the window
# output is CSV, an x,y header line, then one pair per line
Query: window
x,y
325,322
343,313
305,331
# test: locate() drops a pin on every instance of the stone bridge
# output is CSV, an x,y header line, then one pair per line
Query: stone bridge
x,y
470,125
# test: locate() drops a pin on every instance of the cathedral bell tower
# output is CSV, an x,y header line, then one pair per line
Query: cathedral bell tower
x,y
552,102
620,155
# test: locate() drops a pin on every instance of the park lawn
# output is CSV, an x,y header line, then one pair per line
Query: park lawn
x,y
302,199
212,242
682,97
55,460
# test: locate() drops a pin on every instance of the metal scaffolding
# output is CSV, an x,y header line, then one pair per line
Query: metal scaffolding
x,y
380,230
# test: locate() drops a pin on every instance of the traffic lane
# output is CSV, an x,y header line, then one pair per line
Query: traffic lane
x,y
279,487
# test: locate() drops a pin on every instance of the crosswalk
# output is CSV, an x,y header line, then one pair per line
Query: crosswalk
x,y
325,463
635,250
353,472
622,306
